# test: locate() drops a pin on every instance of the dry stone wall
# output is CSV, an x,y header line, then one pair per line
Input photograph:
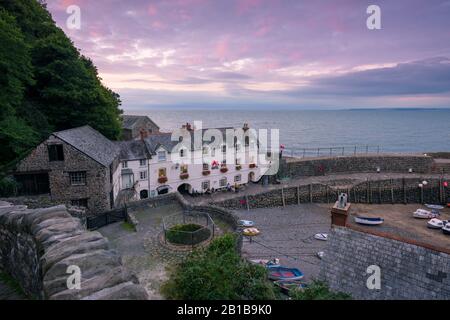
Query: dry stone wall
x,y
37,247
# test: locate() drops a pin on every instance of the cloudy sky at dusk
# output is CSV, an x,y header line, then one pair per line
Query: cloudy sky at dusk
x,y
266,53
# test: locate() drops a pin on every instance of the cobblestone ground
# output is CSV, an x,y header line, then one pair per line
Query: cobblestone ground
x,y
288,234
141,251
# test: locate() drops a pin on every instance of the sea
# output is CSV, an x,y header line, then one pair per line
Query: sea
x,y
304,131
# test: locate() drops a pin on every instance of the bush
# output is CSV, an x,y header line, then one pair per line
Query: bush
x,y
8,187
318,290
188,234
218,272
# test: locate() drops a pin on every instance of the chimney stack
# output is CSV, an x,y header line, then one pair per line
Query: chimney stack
x,y
143,133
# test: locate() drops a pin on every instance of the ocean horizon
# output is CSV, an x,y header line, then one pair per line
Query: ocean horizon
x,y
392,130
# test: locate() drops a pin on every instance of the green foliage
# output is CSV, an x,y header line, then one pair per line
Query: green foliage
x,y
318,290
12,283
187,234
45,84
8,187
218,272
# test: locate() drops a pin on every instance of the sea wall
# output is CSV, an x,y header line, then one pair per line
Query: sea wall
x,y
357,163
38,246
407,271
403,190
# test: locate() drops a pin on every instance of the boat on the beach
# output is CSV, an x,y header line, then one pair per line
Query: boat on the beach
x,y
284,273
435,224
267,262
321,236
320,254
369,221
446,229
286,286
246,223
250,232
424,214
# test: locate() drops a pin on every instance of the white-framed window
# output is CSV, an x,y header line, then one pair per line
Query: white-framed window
x,y
237,161
213,152
205,185
237,178
77,178
142,162
143,175
184,168
125,164
205,166
223,182
224,148
161,156
205,150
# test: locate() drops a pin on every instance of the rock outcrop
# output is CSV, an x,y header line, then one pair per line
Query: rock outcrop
x,y
39,248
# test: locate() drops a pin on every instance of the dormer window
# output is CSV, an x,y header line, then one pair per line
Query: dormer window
x,y
142,162
124,164
161,156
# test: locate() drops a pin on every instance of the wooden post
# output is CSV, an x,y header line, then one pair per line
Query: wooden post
x,y
326,192
392,194
404,190
441,198
246,203
367,191
310,193
379,192
348,194
354,194
282,197
298,194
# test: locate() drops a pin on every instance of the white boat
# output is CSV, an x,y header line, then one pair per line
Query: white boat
x,y
321,236
246,223
275,262
369,221
424,214
320,254
446,229
435,224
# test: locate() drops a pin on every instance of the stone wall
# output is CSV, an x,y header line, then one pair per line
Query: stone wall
x,y
359,163
408,271
37,247
97,186
404,190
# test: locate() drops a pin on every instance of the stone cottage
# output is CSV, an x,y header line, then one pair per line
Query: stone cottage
x,y
135,127
75,167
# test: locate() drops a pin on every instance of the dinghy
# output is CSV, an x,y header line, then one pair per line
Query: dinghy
x,y
320,254
424,214
246,223
446,229
250,232
321,236
266,262
369,221
435,224
287,286
284,273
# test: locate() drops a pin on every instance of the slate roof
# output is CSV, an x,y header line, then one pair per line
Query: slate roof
x,y
132,150
129,121
90,142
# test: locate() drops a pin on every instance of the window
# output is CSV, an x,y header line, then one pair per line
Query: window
x,y
213,152
162,172
268,155
205,185
182,153
143,175
224,163
205,166
55,152
237,161
223,182
79,202
205,150
142,162
237,178
77,178
161,156
184,168
125,164
224,148
247,141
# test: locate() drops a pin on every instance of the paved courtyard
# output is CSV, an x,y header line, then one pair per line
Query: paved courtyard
x,y
288,234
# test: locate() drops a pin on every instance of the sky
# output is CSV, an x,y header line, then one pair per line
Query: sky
x,y
266,54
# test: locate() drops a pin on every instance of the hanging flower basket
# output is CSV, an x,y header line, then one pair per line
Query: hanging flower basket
x,y
206,172
184,176
238,167
162,179
252,165
223,169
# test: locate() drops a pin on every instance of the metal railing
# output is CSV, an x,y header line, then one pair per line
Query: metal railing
x,y
331,151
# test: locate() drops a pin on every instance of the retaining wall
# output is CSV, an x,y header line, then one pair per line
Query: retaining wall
x,y
408,271
37,247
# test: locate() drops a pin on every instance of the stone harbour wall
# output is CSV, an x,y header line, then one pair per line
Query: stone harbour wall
x,y
404,190
357,163
37,247
407,271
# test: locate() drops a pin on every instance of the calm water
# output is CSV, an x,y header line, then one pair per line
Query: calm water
x,y
392,130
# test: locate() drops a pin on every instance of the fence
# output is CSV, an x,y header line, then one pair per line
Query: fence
x,y
332,151
105,218
176,228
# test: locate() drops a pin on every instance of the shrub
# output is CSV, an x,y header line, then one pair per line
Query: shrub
x,y
187,234
8,187
218,272
318,290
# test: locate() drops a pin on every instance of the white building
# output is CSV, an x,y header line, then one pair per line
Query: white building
x,y
190,160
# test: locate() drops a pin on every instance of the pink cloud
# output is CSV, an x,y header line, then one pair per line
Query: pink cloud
x,y
152,10
244,6
222,48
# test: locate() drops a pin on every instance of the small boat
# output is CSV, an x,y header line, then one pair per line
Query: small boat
x,y
321,236
369,221
246,223
424,214
435,224
320,254
250,232
446,229
434,206
284,273
287,286
266,262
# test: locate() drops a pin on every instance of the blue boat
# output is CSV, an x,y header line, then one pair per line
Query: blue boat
x,y
369,221
284,273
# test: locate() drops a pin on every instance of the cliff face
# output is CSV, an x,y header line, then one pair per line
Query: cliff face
x,y
40,248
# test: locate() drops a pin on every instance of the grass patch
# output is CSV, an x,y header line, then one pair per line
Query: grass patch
x,y
318,290
128,226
